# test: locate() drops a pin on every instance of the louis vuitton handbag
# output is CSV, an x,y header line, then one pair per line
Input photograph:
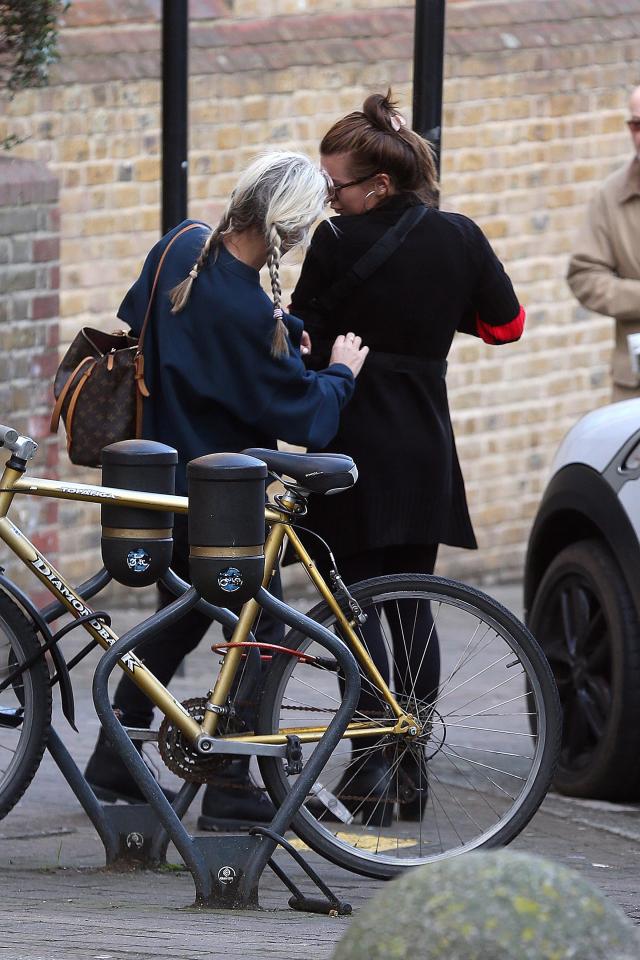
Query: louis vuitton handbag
x,y
99,386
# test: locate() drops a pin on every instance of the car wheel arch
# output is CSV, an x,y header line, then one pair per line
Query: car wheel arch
x,y
579,504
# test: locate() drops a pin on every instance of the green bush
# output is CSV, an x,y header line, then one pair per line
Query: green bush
x,y
28,37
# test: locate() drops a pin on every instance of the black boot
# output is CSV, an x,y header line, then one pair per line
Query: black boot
x,y
233,802
110,779
366,790
413,785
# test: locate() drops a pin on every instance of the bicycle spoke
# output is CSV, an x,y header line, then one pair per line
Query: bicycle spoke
x,y
500,753
408,654
494,707
492,690
473,678
456,801
424,652
335,700
487,766
471,786
508,733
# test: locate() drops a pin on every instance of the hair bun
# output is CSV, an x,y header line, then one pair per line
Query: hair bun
x,y
380,111
378,138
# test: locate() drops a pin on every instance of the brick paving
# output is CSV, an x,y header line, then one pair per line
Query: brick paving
x,y
58,902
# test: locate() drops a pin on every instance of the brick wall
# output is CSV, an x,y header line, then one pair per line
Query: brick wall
x,y
29,279
535,94
535,98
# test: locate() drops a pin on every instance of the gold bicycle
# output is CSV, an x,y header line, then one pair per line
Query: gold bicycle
x,y
465,763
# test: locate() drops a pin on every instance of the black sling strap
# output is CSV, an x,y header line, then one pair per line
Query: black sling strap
x,y
371,260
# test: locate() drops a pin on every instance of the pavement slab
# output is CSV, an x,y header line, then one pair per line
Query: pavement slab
x,y
59,902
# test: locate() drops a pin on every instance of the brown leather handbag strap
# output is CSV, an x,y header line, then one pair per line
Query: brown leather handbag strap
x,y
191,226
74,399
138,414
139,360
57,410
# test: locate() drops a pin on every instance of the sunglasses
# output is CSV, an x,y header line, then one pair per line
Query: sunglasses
x,y
634,124
335,188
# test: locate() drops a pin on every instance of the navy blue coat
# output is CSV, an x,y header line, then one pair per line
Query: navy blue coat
x,y
214,384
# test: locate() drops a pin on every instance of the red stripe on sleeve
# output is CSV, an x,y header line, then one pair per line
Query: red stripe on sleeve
x,y
506,333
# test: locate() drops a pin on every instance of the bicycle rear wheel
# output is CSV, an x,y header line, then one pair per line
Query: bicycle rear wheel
x,y
25,705
489,731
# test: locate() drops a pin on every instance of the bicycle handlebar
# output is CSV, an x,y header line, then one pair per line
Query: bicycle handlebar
x,y
22,447
8,436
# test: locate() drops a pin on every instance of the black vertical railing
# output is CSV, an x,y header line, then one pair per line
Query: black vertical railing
x,y
175,72
428,70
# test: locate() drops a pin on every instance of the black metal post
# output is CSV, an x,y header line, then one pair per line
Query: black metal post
x,y
428,70
175,30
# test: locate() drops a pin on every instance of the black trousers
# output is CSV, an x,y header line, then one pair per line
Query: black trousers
x,y
416,664
164,652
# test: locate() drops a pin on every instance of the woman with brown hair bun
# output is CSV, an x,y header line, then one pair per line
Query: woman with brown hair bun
x,y
433,275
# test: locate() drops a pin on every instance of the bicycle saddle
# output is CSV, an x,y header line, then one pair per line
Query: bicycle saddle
x,y
317,472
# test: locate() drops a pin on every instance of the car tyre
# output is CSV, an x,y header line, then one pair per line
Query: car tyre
x,y
587,624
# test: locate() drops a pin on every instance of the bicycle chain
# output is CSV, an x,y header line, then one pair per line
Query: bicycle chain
x,y
295,706
182,759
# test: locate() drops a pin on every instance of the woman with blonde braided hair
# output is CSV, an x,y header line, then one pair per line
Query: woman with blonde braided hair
x,y
224,372
265,207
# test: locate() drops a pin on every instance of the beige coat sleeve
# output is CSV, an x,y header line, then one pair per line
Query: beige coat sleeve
x,y
592,274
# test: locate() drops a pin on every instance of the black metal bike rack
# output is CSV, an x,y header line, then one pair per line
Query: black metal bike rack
x,y
131,834
226,869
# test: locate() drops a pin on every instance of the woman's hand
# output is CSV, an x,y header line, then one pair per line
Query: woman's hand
x,y
305,344
349,350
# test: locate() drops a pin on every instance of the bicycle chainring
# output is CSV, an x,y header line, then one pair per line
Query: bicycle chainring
x,y
181,757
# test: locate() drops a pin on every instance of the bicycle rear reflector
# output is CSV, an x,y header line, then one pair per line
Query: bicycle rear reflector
x,y
226,526
136,543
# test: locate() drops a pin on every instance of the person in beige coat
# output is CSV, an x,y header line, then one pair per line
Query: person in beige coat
x,y
604,272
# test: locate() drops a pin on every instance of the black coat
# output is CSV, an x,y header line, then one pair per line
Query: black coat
x,y
445,277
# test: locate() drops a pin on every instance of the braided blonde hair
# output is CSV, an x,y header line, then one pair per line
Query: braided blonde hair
x,y
281,194
274,252
180,294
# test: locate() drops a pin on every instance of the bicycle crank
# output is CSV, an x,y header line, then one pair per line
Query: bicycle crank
x,y
181,757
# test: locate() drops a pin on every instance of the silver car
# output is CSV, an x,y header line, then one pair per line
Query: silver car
x,y
582,600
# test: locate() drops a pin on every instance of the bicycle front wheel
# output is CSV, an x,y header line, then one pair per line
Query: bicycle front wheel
x,y
25,705
488,721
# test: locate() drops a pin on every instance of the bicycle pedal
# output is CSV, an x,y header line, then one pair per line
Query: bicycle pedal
x,y
293,763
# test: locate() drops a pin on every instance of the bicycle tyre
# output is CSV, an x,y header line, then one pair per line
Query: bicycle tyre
x,y
21,747
372,851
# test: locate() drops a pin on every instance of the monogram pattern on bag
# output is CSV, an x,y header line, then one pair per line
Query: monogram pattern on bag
x,y
104,411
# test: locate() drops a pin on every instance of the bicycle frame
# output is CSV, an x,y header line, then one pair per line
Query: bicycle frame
x,y
13,481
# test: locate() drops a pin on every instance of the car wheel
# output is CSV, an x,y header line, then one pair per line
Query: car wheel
x,y
585,620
